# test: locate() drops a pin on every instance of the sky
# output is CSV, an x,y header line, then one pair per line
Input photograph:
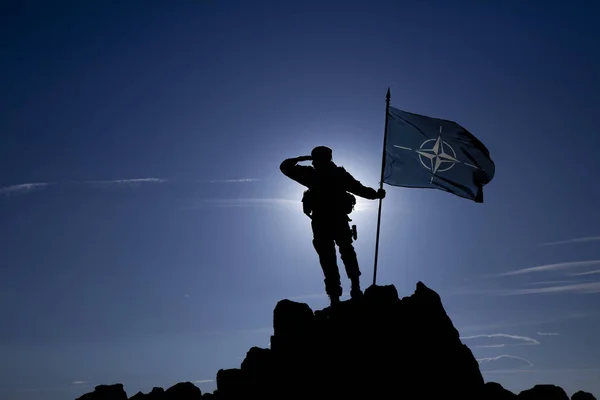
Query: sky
x,y
146,232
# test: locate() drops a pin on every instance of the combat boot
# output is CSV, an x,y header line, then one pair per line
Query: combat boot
x,y
355,291
334,295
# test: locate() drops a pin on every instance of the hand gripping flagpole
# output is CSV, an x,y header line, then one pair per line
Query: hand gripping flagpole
x,y
387,106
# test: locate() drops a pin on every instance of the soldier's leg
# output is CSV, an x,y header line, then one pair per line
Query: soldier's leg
x,y
324,244
343,238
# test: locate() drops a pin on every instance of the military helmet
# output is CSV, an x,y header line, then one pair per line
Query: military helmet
x,y
322,153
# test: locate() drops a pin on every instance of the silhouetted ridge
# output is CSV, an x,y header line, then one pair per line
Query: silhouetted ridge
x,y
374,347
108,392
581,395
546,392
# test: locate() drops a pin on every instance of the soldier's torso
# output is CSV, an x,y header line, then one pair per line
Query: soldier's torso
x,y
328,191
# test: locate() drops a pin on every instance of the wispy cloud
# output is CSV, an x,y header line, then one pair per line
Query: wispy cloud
x,y
552,267
516,340
243,180
505,357
546,371
584,288
30,187
79,382
548,334
133,181
204,381
529,322
23,188
586,273
538,283
575,240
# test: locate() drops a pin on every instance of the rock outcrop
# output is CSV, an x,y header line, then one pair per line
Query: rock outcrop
x,y
106,392
495,391
182,390
375,347
378,346
581,395
546,392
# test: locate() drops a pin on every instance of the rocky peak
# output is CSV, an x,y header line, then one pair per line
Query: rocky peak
x,y
376,346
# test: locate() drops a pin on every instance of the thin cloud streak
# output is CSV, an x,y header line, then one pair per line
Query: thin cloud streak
x,y
584,288
575,240
79,382
23,188
548,334
204,381
244,180
524,339
553,282
543,371
125,181
552,267
28,187
586,273
529,322
504,356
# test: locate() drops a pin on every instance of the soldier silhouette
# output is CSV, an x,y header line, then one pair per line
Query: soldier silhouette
x,y
328,201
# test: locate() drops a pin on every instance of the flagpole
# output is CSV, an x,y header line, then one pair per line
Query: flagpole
x,y
387,106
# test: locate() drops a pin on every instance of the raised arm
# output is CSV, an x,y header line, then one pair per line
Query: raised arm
x,y
357,188
300,173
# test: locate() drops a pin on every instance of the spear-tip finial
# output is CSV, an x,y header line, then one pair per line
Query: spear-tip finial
x,y
388,95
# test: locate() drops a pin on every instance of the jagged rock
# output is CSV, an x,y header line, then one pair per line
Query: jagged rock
x,y
231,383
106,392
543,392
157,393
581,395
495,391
375,347
179,391
183,391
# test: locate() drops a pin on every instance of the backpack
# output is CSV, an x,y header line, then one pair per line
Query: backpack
x,y
346,202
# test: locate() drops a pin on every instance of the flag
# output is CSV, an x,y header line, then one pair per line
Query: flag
x,y
426,152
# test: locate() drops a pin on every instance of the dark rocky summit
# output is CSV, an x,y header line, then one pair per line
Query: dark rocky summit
x,y
375,347
546,392
581,395
379,346
102,392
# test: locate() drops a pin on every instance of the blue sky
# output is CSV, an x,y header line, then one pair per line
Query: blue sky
x,y
147,232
